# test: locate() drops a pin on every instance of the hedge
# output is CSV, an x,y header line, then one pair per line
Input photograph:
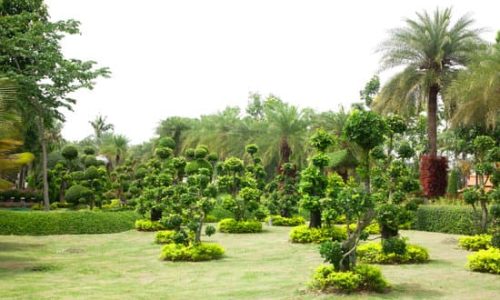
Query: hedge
x,y
65,222
446,219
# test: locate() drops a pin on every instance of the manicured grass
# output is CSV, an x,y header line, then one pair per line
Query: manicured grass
x,y
256,266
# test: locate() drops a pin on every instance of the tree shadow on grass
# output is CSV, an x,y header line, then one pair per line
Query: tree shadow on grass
x,y
14,259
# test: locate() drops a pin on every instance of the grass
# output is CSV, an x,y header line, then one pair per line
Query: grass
x,y
256,266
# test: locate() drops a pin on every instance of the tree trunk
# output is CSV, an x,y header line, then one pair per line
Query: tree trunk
x,y
315,221
46,201
285,151
484,216
62,190
432,119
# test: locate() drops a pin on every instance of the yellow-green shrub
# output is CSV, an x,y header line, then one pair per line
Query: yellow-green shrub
x,y
487,261
199,252
475,242
148,225
363,277
233,226
303,234
372,253
164,237
282,221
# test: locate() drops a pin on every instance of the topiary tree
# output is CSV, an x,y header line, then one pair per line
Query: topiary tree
x,y
282,193
486,154
241,186
313,179
79,194
367,130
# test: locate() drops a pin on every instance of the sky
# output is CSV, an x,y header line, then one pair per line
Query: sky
x,y
188,58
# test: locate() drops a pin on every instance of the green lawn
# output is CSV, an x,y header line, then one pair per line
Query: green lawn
x,y
256,266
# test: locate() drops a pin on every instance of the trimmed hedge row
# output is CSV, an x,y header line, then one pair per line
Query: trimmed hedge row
x,y
65,222
446,219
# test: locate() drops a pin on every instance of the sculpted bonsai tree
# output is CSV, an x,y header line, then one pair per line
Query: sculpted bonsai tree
x,y
486,154
313,179
241,186
367,130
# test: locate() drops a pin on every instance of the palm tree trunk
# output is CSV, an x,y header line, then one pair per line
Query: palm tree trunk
x,y
285,151
432,119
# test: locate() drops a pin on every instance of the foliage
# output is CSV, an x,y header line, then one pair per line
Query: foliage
x,y
446,219
475,242
65,222
303,234
453,183
485,261
164,237
277,220
433,175
367,129
198,252
373,253
362,278
148,225
79,194
233,226
32,56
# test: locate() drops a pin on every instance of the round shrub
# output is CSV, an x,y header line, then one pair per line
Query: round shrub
x,y
78,194
233,226
362,278
166,142
164,237
475,242
210,230
303,234
487,261
282,221
148,225
89,150
70,152
373,253
199,252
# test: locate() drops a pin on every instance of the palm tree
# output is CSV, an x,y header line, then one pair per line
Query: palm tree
x,y
174,127
115,147
9,133
286,131
431,49
100,126
475,94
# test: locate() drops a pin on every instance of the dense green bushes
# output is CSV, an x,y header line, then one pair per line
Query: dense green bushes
x,y
373,253
65,222
487,261
303,234
446,219
148,225
475,242
233,226
362,278
198,252
165,237
282,221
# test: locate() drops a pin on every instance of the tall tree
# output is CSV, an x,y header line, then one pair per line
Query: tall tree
x,y
286,129
31,55
430,48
